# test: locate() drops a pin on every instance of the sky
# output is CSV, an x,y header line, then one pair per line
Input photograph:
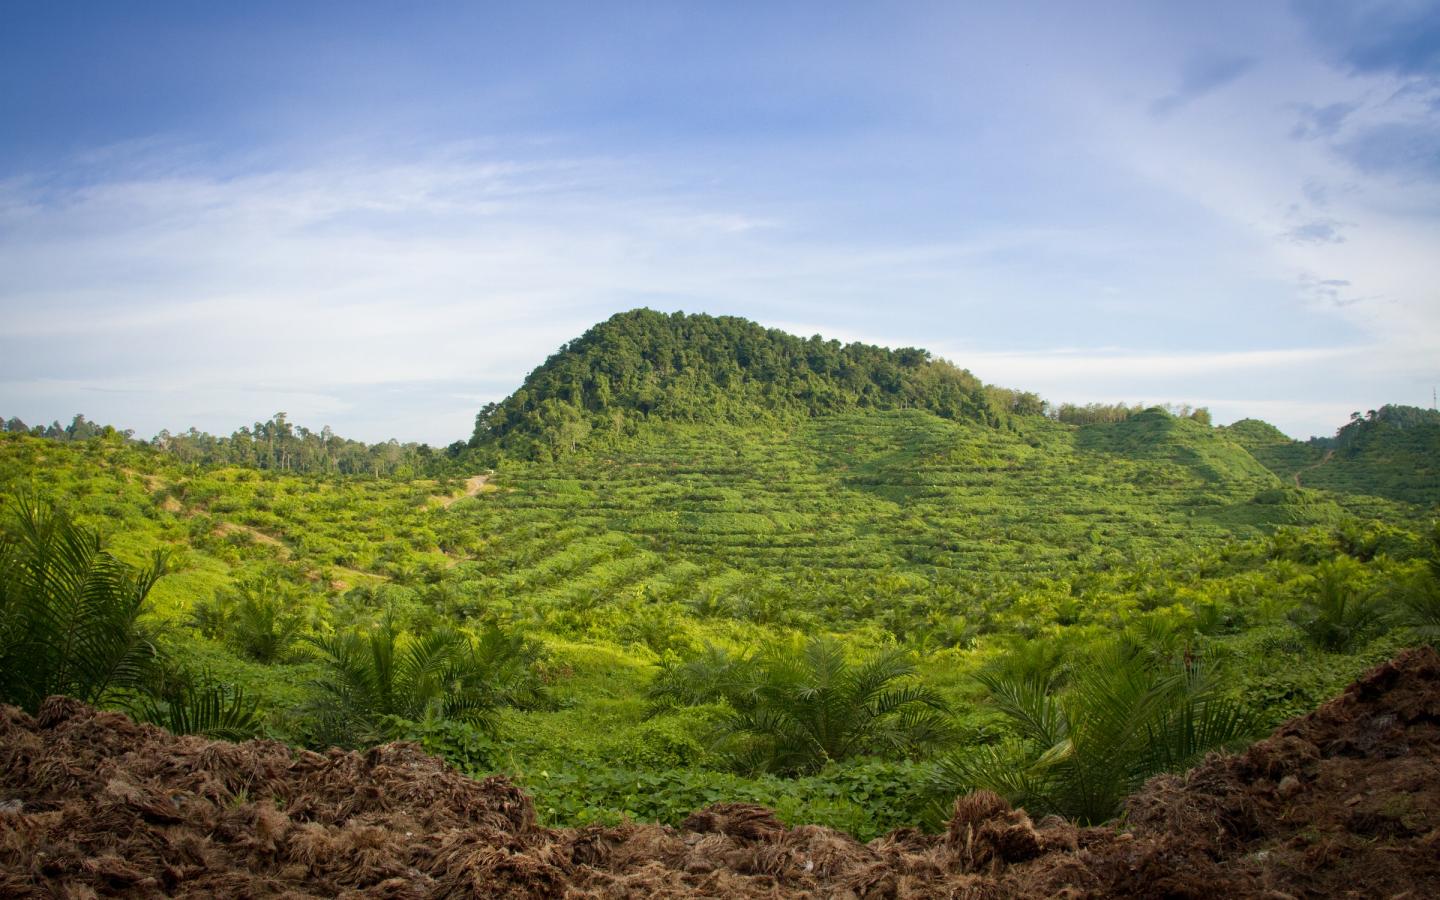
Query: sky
x,y
380,216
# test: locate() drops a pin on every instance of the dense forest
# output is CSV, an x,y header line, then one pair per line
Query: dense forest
x,y
643,365
692,559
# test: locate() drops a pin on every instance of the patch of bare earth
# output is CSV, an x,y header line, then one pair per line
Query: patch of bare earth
x,y
258,536
473,486
1342,802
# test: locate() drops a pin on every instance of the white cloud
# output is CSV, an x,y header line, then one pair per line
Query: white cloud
x,y
390,298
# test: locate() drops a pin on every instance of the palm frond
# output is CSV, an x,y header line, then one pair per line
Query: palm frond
x,y
1125,714
795,708
71,611
201,707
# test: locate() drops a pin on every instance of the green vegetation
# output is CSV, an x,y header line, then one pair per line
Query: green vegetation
x,y
1123,716
1338,613
70,624
713,562
644,365
69,612
379,682
795,708
190,705
275,445
1391,452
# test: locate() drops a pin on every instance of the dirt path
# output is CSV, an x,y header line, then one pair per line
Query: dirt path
x,y
259,536
1323,460
473,485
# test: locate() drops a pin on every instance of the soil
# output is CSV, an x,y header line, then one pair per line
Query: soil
x,y
473,486
1329,455
260,537
1342,802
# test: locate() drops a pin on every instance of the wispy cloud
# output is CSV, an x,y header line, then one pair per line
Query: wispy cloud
x,y
1317,231
1201,75
1406,150
1377,37
388,232
1313,122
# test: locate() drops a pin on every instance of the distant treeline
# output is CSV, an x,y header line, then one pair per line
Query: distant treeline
x,y
1419,424
276,444
1105,413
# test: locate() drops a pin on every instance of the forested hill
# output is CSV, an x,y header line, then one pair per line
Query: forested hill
x,y
1392,452
644,364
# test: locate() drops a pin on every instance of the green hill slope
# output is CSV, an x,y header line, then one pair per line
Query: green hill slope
x,y
1394,452
1155,435
1274,449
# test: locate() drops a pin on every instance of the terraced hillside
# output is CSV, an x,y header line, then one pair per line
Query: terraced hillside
x,y
722,517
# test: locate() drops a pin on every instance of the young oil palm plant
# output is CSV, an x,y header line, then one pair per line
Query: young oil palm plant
x,y
794,709
378,681
69,611
1420,594
186,703
260,617
1338,613
1420,607
1123,717
702,677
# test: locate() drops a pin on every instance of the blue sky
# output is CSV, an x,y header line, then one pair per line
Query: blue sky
x,y
379,216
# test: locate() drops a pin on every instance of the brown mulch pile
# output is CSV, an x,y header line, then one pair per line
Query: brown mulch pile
x,y
1343,802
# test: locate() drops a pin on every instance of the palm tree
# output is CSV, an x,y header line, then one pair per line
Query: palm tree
x,y
794,709
1124,717
1420,594
1338,614
702,677
184,703
378,681
258,617
69,611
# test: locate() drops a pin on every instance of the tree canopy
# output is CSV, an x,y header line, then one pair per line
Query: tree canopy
x,y
644,364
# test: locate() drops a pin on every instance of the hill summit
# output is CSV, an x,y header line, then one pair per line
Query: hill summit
x,y
647,365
